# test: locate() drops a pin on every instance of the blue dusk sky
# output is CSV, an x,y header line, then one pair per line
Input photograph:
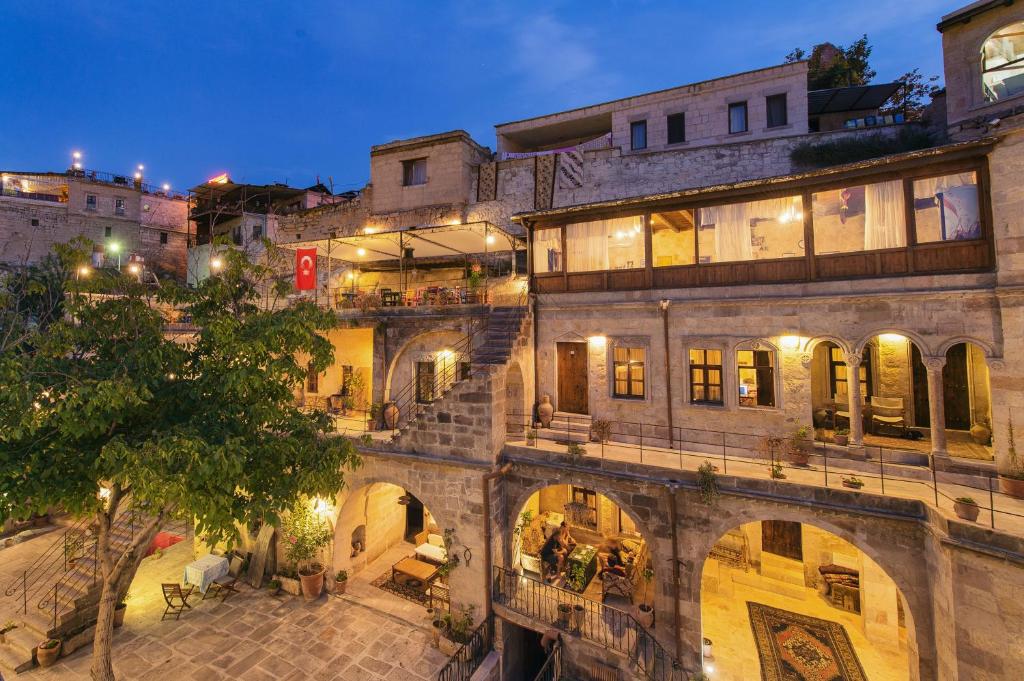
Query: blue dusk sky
x,y
285,91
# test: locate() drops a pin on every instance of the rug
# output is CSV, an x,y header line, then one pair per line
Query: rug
x,y
795,647
410,592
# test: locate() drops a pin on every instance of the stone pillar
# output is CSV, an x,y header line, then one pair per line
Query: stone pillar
x,y
936,404
856,399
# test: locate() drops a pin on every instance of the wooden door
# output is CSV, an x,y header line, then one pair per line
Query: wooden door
x,y
956,394
922,417
572,378
783,538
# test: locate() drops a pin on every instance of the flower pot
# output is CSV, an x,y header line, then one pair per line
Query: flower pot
x,y
841,440
1013,487
981,434
289,585
391,416
312,584
339,587
435,630
545,410
564,610
799,457
852,485
119,612
645,615
47,656
966,511
448,646
576,619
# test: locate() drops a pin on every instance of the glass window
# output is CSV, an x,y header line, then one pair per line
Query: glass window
x,y
838,375
672,238
1002,63
119,206
587,500
777,114
163,238
676,128
257,232
738,117
312,379
90,202
425,382
860,218
628,370
547,250
756,377
414,172
705,376
946,208
638,135
614,244
757,230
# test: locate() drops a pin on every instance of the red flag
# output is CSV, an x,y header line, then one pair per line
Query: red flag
x,y
305,269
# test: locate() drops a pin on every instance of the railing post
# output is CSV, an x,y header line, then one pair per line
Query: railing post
x,y
725,464
991,502
641,442
881,466
935,482
824,451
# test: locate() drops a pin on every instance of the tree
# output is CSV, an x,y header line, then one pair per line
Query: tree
x,y
102,410
914,94
831,66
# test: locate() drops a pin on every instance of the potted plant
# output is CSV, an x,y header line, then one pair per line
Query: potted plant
x,y
800,445
1011,480
601,430
8,626
274,587
47,652
576,618
305,535
366,440
564,611
576,451
289,581
340,581
576,577
707,481
436,627
852,481
375,416
966,508
120,609
645,611
776,471
841,436
531,437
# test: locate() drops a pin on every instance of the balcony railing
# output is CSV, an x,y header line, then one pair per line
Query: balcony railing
x,y
552,669
470,655
35,196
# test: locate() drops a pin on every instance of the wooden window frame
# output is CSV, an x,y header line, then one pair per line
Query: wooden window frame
x,y
586,495
633,126
679,116
705,367
746,117
865,364
422,398
629,365
312,380
409,172
771,369
768,110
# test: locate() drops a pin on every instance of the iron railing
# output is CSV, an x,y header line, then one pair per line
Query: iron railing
x,y
607,626
470,655
552,669
750,455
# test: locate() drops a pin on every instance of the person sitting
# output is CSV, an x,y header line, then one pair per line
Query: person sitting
x,y
615,562
552,555
565,540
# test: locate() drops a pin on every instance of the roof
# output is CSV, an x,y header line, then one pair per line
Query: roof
x,y
761,184
968,12
426,141
859,98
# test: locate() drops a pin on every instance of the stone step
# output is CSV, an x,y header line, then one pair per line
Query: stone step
x,y
24,640
562,436
14,660
37,621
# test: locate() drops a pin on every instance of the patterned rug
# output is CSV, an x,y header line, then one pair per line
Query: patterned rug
x,y
410,591
796,647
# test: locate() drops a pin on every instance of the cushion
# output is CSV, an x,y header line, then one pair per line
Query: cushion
x,y
435,540
834,569
435,554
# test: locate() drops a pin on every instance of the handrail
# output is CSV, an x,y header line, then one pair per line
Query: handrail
x,y
552,669
716,445
49,560
607,626
464,663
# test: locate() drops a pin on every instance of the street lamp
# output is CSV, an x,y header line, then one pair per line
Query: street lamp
x,y
134,269
116,248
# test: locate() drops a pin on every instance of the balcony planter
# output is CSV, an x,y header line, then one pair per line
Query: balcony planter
x,y
576,618
966,509
312,580
645,615
48,652
564,610
800,446
1012,485
340,582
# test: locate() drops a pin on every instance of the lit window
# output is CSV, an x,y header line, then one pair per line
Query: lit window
x,y
616,244
738,117
414,172
628,372
119,206
838,374
547,250
756,377
946,208
859,218
705,376
754,230
638,135
777,114
90,202
1002,63
425,382
672,238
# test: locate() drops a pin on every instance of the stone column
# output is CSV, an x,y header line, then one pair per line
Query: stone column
x,y
936,404
856,399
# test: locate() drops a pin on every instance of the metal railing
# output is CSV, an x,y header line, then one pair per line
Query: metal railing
x,y
660,446
552,669
470,655
573,613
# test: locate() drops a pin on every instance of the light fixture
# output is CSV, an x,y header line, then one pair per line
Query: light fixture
x,y
361,252
77,165
597,341
351,275
219,179
166,187
133,268
138,176
405,499
620,235
83,271
369,230
216,263
77,155
114,246
490,239
892,337
790,342
104,492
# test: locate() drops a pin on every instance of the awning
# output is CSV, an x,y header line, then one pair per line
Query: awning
x,y
433,241
843,99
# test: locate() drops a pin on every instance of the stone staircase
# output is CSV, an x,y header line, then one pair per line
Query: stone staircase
x,y
566,428
504,325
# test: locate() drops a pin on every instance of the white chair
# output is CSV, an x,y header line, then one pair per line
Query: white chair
x,y
888,412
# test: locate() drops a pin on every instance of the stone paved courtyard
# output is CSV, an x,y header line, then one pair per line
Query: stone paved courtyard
x,y
365,634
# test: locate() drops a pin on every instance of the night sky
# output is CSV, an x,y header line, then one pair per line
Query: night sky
x,y
285,91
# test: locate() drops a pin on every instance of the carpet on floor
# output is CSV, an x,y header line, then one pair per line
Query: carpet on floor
x,y
406,587
795,647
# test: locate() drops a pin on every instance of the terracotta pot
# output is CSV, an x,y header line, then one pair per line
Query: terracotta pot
x,y
47,656
981,434
312,585
119,612
545,410
577,617
391,416
966,511
1012,487
564,610
645,615
841,440
339,587
435,629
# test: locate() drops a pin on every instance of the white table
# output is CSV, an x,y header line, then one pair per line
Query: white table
x,y
203,571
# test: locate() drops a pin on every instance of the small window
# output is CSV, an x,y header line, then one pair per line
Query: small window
x,y
756,377
107,232
638,135
163,238
465,371
777,114
90,202
414,172
547,250
587,504
236,235
676,128
119,206
35,222
425,382
946,208
628,372
705,376
312,379
738,117
257,232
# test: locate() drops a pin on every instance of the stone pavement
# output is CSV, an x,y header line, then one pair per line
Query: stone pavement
x,y
365,634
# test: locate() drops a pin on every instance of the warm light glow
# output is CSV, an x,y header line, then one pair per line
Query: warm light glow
x,y
166,187
141,167
892,337
138,176
133,268
114,246
77,165
455,222
361,252
104,492
76,155
83,271
490,239
216,263
597,341
369,230
321,507
620,235
709,668
219,179
445,354
351,275
171,376
790,342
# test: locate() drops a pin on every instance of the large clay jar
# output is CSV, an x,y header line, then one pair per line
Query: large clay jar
x,y
391,416
545,410
981,434
312,584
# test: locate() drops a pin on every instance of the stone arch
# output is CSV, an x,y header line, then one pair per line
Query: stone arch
x,y
986,348
453,337
915,338
909,576
815,341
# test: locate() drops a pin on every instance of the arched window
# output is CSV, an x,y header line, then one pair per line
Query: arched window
x,y
1002,63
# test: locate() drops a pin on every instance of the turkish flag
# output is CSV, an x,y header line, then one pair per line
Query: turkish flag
x,y
305,269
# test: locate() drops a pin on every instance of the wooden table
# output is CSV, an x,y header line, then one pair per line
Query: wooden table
x,y
414,569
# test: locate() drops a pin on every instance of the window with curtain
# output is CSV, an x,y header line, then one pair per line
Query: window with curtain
x,y
638,135
587,499
705,376
859,218
547,250
776,110
755,373
1002,63
754,230
414,172
614,244
839,375
946,208
672,238
738,117
628,372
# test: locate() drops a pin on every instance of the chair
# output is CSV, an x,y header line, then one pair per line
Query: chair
x,y
176,599
888,412
619,585
225,586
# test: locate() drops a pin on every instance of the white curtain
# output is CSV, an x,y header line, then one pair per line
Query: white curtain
x,y
732,231
587,243
884,219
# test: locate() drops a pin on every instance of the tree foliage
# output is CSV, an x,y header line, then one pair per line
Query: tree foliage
x,y
831,66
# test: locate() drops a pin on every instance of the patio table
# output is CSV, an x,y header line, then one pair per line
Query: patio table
x,y
203,571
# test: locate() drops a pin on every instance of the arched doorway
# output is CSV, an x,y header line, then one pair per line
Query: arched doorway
x,y
967,402
417,368
784,599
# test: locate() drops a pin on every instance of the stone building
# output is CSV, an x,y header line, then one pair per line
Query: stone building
x,y
120,214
